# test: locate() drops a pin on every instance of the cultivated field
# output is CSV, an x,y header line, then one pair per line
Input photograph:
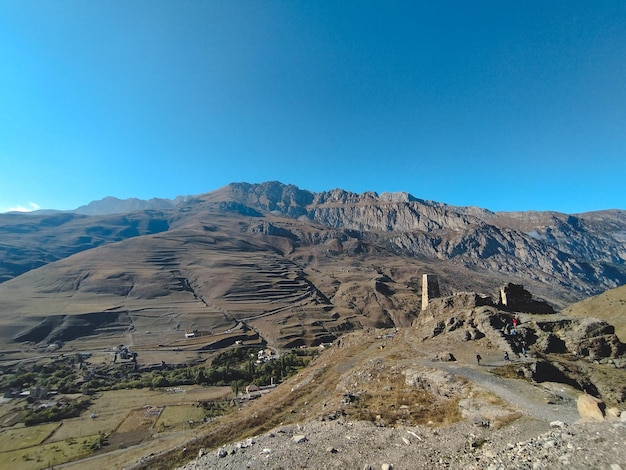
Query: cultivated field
x,y
116,420
22,437
47,455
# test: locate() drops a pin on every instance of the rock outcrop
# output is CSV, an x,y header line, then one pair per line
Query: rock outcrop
x,y
590,408
545,347
517,327
515,298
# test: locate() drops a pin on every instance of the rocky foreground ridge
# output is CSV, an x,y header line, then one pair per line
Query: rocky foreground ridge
x,y
360,445
417,397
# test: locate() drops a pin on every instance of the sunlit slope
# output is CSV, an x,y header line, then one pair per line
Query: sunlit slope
x,y
609,306
157,287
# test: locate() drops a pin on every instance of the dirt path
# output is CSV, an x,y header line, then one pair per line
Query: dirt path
x,y
530,399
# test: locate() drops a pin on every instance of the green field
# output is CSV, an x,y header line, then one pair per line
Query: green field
x,y
22,437
44,445
86,426
46,455
180,417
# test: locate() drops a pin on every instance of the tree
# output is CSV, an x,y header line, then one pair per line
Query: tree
x,y
159,381
200,378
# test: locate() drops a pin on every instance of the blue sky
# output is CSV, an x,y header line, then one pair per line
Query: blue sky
x,y
505,105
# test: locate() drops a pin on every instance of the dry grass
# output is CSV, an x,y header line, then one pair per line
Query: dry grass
x,y
501,419
317,391
138,420
267,413
115,400
180,417
609,306
399,355
86,426
505,420
390,402
488,398
509,371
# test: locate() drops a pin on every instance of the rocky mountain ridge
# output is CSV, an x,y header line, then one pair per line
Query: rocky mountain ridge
x,y
112,205
584,250
398,379
578,250
298,267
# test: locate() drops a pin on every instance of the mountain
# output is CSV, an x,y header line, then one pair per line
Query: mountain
x,y
113,205
254,267
296,267
31,240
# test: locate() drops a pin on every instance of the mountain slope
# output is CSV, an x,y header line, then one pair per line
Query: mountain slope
x,y
113,205
609,306
295,266
584,253
28,241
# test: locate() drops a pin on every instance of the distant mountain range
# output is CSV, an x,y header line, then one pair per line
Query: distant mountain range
x,y
584,252
112,205
246,251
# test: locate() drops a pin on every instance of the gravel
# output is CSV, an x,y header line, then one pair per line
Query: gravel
x,y
525,444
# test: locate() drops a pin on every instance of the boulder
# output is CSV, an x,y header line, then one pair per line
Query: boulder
x,y
444,357
589,408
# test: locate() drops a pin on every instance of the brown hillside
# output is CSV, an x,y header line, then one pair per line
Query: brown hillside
x,y
609,306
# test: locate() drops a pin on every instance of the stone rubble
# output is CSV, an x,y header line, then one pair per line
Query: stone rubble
x,y
340,444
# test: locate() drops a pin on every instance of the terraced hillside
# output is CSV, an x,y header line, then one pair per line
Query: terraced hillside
x,y
271,263
150,292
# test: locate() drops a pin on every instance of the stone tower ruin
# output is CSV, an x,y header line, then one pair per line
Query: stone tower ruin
x,y
514,297
430,289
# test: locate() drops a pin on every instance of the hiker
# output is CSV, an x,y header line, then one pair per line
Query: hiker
x,y
506,357
478,358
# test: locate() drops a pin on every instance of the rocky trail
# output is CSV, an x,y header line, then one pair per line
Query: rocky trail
x,y
532,400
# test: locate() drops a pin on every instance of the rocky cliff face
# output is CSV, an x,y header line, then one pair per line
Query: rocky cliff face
x,y
584,252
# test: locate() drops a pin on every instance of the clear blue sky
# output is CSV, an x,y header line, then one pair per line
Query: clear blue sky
x,y
506,105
